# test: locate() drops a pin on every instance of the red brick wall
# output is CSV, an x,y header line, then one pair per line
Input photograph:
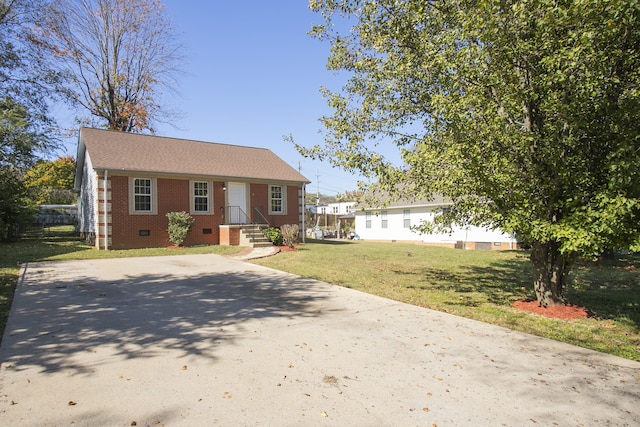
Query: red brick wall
x,y
260,197
172,196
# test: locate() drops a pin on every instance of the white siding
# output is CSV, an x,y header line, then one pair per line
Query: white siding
x,y
339,208
396,231
88,199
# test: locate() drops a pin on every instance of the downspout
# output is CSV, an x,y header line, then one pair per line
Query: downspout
x,y
106,214
304,232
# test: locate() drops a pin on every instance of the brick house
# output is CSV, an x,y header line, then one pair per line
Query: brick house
x,y
223,187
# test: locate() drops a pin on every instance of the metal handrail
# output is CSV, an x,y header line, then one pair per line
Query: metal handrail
x,y
240,214
258,210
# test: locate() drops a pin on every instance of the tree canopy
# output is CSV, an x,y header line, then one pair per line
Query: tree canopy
x,y
19,142
27,86
524,113
118,56
51,181
25,76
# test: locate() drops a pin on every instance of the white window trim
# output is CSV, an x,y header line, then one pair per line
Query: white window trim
x,y
406,218
154,196
192,197
284,200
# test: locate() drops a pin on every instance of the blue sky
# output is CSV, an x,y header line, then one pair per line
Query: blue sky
x,y
252,75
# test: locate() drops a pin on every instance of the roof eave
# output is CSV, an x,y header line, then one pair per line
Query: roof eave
x,y
101,169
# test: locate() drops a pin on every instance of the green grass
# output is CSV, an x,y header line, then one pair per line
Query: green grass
x,y
61,243
481,285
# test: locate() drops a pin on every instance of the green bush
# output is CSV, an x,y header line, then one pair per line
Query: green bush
x,y
290,234
274,235
179,225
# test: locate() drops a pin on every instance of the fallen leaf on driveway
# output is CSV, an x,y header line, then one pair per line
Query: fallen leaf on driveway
x,y
324,414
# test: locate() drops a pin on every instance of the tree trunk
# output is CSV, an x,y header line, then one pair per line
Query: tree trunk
x,y
550,271
608,254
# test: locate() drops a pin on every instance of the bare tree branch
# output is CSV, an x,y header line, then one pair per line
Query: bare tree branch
x,y
120,55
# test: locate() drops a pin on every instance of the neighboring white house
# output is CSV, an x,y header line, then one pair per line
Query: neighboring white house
x,y
335,208
340,208
393,223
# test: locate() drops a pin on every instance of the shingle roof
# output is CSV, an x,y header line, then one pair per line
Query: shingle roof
x,y
121,151
377,199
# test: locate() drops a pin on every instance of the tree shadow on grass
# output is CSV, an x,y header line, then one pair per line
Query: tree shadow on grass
x,y
609,290
41,247
330,241
56,319
499,283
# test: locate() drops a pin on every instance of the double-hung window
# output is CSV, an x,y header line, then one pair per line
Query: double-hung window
x,y
384,223
276,199
200,193
406,214
367,219
142,195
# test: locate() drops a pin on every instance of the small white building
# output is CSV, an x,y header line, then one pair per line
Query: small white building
x,y
340,208
393,224
334,208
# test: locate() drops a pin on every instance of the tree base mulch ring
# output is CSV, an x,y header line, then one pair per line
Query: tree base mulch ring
x,y
287,248
564,312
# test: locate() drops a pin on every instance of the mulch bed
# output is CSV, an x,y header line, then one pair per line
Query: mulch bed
x,y
565,312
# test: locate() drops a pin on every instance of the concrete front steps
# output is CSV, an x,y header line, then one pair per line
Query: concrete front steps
x,y
251,235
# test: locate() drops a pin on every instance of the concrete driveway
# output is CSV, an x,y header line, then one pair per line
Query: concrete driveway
x,y
207,340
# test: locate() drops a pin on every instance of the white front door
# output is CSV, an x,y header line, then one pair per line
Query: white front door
x,y
237,202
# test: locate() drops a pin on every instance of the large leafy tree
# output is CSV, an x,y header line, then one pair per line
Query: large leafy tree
x,y
19,143
524,113
51,181
26,131
119,56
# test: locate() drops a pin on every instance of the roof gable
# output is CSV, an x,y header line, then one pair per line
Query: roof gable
x,y
121,151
